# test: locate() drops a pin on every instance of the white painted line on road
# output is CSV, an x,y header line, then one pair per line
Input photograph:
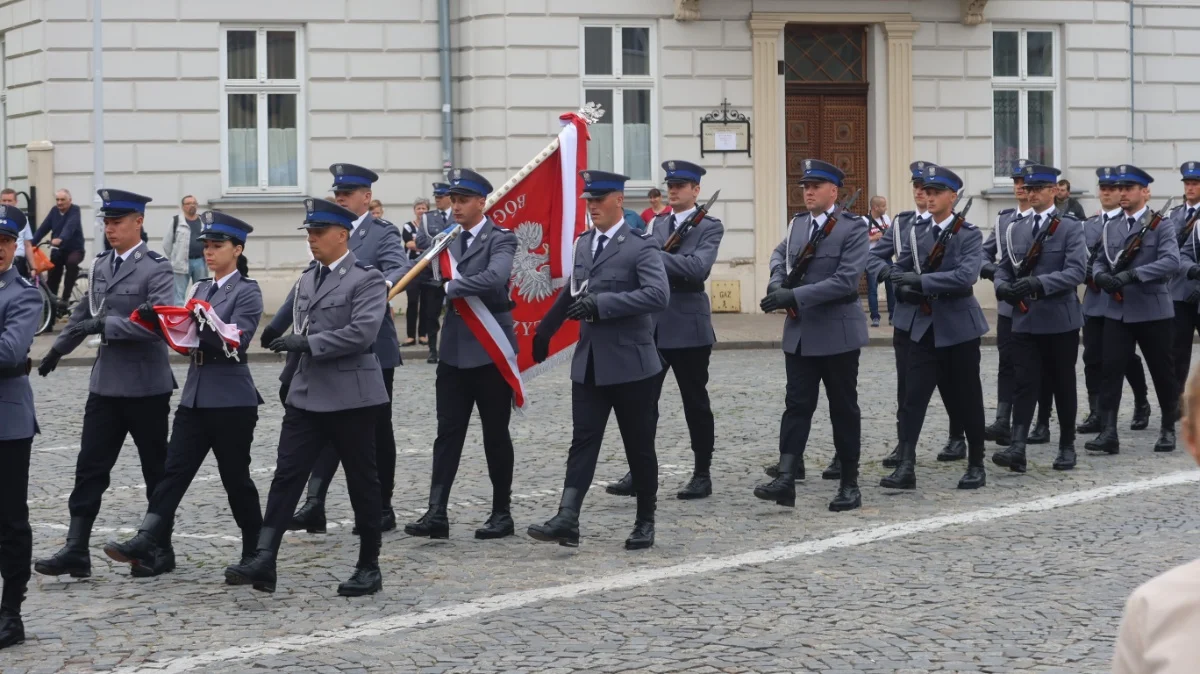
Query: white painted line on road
x,y
132,530
624,581
55,449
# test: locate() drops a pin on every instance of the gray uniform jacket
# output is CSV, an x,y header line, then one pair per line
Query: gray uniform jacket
x,y
892,244
1179,285
212,379
379,244
341,319
1148,298
432,224
485,268
995,243
20,309
828,318
687,320
630,285
954,320
1060,269
132,361
1093,300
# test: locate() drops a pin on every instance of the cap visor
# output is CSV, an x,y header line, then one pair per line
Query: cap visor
x,y
814,179
116,212
463,192
214,236
595,195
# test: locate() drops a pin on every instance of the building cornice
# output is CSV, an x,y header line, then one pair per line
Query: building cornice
x,y
972,11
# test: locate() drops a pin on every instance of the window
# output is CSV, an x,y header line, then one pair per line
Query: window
x,y
262,110
1025,98
618,74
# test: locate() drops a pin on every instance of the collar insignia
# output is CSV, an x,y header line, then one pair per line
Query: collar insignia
x,y
137,255
620,238
342,271
362,231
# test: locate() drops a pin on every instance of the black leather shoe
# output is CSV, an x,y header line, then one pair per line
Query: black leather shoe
x,y
498,525
781,490
905,475
955,450
1000,431
362,582
563,529
433,355
1040,434
1013,456
388,521
848,497
73,559
974,478
141,550
1141,415
641,537
249,545
433,524
834,471
772,469
1166,437
258,573
164,562
1091,423
12,630
1066,455
310,517
622,487
700,486
892,460
1108,441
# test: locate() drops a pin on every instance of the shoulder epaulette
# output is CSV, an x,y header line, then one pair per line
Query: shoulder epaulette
x,y
206,279
642,234
249,280
1007,211
23,281
313,264
363,265
906,213
155,256
384,222
967,225
105,253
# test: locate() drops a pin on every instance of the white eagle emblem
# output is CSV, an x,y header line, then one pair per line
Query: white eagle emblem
x,y
338,168
104,195
531,264
587,177
1107,171
932,170
1124,169
671,166
308,206
208,217
1191,166
3,212
807,164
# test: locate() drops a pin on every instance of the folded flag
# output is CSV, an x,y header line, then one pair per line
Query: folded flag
x,y
184,328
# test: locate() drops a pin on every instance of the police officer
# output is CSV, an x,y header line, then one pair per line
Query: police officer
x,y
893,244
618,282
1094,300
684,332
218,409
379,244
433,294
944,344
1045,335
1143,314
20,311
1185,288
466,375
131,384
333,398
823,337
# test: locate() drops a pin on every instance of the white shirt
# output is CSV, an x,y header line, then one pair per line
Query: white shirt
x,y
680,218
1114,213
26,235
1045,217
1136,216
612,232
337,261
474,232
354,225
943,224
222,281
124,256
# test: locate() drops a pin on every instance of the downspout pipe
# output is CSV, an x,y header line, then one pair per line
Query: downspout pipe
x,y
1132,98
444,56
97,122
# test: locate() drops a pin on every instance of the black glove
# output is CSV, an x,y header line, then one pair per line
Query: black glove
x,y
988,271
772,287
541,347
269,334
782,298
1194,272
884,275
49,362
1104,281
297,343
1025,287
584,307
907,278
1004,292
88,326
1124,278
909,294
145,311
1193,297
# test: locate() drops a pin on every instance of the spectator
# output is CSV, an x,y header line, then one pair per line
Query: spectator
x,y
24,254
183,247
66,236
413,313
879,222
1163,615
376,209
635,221
1067,203
657,207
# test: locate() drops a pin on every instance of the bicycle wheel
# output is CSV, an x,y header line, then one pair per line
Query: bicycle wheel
x,y
47,318
78,293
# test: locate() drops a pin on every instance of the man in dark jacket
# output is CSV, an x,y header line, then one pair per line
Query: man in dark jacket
x,y
66,235
1066,203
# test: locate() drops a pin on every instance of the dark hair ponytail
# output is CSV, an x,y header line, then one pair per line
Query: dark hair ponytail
x,y
242,265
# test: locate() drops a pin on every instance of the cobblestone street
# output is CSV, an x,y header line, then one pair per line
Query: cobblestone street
x,y
1027,574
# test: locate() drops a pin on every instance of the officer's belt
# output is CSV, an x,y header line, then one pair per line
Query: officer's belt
x,y
504,308
200,359
685,286
17,370
953,294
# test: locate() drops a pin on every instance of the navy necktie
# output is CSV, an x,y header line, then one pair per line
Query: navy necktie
x,y
117,264
599,246
212,291
1037,219
1191,213
1131,220
322,272
674,223
467,236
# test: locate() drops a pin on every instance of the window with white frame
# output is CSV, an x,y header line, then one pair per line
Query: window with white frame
x,y
262,110
618,73
1025,97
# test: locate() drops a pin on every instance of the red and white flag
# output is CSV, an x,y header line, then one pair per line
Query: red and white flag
x,y
181,327
542,207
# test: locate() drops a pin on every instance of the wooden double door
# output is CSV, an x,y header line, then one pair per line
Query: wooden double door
x,y
832,127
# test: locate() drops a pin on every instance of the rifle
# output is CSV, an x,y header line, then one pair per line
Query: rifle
x,y
676,239
804,258
440,242
1125,258
1025,268
1091,282
938,252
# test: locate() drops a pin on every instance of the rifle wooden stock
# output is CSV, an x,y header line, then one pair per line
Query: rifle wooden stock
x,y
938,252
1033,255
1126,257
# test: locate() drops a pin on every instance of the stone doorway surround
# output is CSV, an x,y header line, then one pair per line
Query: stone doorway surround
x,y
766,29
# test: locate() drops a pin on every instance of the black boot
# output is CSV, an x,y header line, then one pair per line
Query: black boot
x,y
12,630
622,487
772,469
1040,434
1091,423
905,475
435,523
1141,414
1000,430
781,490
700,486
834,471
892,460
1108,441
259,570
1066,454
642,535
249,549
563,528
975,477
500,523
142,551
311,515
955,449
73,558
387,522
1166,435
848,496
433,352
1013,456
366,578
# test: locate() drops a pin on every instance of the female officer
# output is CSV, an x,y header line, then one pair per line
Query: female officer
x,y
218,409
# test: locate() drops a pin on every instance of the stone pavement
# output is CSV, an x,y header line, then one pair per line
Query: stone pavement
x,y
932,580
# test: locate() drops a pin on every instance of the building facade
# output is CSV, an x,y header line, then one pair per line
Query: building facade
x,y
246,104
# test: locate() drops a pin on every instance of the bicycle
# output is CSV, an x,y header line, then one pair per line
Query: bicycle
x,y
47,317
